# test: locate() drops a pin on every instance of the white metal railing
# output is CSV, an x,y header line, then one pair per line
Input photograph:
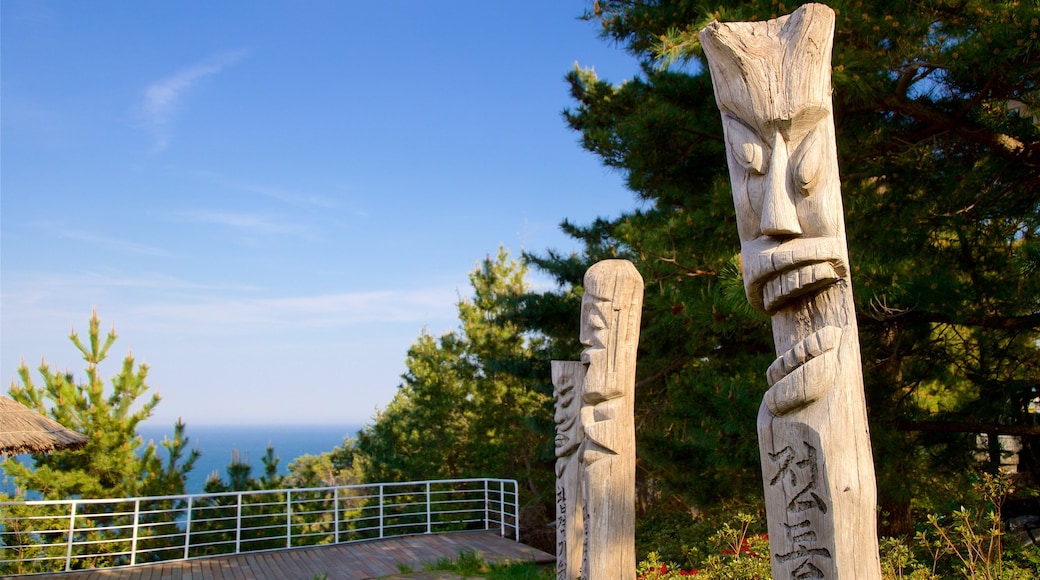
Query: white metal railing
x,y
62,535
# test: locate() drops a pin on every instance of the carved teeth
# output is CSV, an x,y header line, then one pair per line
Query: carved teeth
x,y
765,259
797,282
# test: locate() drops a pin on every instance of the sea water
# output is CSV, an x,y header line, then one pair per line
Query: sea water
x,y
216,443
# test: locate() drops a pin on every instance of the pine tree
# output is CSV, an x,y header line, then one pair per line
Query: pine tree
x,y
113,463
474,402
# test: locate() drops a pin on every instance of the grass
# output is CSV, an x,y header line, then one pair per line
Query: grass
x,y
471,564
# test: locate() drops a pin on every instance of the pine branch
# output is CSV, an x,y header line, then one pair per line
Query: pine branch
x,y
1003,144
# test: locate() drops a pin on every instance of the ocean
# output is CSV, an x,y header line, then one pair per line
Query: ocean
x,y
216,443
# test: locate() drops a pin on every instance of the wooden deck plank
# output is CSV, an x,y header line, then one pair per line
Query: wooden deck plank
x,y
367,559
353,561
378,559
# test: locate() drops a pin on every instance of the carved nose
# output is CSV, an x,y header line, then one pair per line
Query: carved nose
x,y
779,217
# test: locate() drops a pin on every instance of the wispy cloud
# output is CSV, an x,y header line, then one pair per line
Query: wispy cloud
x,y
289,196
244,222
62,284
122,245
116,243
31,297
417,306
163,302
162,97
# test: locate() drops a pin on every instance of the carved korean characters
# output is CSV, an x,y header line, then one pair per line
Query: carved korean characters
x,y
594,412
772,84
568,378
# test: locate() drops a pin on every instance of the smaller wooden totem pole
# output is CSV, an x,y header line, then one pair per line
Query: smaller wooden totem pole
x,y
599,392
568,378
772,84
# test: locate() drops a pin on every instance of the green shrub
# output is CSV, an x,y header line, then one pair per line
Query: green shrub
x,y
968,542
686,539
672,535
734,551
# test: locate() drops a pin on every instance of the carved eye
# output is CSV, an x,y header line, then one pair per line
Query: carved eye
x,y
808,160
745,146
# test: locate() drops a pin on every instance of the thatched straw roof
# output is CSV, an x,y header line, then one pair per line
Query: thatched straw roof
x,y
23,430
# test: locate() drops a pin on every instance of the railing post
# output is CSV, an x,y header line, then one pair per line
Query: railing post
x,y
133,537
380,510
72,529
335,515
487,504
516,510
288,519
502,508
238,524
187,528
429,514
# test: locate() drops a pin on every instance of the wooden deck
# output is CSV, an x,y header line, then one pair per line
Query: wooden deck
x,y
354,561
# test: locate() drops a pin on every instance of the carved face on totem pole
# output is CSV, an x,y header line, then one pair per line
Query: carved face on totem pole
x,y
772,85
779,133
609,328
567,394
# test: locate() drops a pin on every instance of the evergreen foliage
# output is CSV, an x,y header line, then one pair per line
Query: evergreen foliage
x,y
329,469
240,474
937,107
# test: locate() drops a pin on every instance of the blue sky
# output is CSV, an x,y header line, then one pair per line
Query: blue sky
x,y
270,200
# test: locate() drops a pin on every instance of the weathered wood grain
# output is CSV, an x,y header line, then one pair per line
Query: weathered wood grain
x,y
611,309
568,379
772,84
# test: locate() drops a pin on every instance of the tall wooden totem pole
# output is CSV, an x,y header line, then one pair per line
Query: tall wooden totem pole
x,y
595,431
772,84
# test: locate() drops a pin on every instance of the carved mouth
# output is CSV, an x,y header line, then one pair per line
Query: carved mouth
x,y
589,352
797,282
802,374
775,274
